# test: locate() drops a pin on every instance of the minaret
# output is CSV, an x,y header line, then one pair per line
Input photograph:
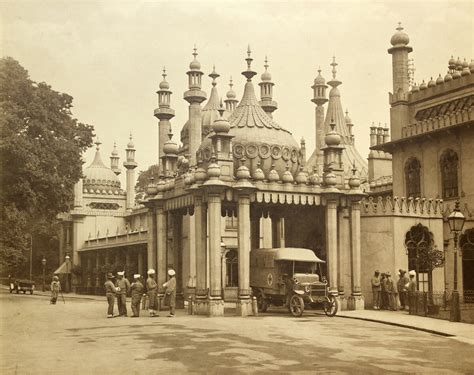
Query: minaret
x,y
399,97
163,113
231,101
319,98
130,165
114,160
194,96
266,92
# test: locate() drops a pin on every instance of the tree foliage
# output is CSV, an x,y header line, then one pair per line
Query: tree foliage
x,y
144,179
40,158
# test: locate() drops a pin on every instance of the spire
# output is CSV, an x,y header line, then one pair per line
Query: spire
x,y
249,73
334,82
231,101
97,158
214,75
114,160
97,144
266,92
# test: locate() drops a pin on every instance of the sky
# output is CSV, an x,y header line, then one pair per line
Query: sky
x,y
109,56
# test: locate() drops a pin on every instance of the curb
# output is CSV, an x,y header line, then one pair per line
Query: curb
x,y
399,325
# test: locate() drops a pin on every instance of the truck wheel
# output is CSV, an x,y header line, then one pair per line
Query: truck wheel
x,y
262,303
330,306
296,305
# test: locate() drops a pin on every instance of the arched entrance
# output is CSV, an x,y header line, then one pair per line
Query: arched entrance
x,y
419,242
466,244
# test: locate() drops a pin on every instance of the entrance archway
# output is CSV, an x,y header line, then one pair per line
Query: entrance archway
x,y
418,240
466,244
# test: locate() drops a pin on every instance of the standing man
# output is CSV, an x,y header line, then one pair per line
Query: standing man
x,y
123,288
390,290
170,291
55,289
376,290
411,289
110,291
383,292
402,289
137,291
152,291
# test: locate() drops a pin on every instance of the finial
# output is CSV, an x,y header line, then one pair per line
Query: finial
x,y
97,143
221,109
231,84
266,63
170,133
214,75
334,64
354,168
164,73
248,50
130,137
195,51
249,73
249,59
399,28
319,70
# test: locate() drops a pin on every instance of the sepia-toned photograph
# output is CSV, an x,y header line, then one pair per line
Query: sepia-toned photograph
x,y
236,187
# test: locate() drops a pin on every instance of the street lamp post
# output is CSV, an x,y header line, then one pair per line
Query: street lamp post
x,y
31,255
43,262
456,222
68,275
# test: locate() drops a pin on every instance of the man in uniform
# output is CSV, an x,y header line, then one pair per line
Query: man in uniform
x,y
123,287
383,292
170,291
152,291
110,291
137,291
376,290
55,289
401,288
390,290
411,288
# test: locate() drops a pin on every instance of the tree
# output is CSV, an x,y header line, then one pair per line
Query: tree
x,y
144,179
40,159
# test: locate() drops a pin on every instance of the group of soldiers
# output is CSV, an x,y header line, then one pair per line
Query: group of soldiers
x,y
121,287
385,291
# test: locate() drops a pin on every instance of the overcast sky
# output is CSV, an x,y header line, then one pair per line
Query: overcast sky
x,y
109,55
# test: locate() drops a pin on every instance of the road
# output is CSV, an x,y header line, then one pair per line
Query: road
x,y
76,338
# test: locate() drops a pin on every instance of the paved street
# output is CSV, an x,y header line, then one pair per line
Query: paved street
x,y
76,338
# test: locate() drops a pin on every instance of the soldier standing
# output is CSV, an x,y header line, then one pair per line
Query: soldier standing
x,y
376,290
402,289
170,291
390,290
383,292
151,287
411,289
110,291
55,289
123,287
137,291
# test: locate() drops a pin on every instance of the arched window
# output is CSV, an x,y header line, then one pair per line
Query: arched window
x,y
449,174
412,178
419,242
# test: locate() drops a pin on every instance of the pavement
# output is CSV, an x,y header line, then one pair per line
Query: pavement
x,y
75,337
463,332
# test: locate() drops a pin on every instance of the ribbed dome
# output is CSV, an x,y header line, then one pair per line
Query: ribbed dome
x,y
164,85
100,179
266,76
319,80
400,38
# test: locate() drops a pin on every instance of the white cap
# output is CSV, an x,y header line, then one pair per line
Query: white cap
x,y
136,276
171,272
412,273
151,271
121,273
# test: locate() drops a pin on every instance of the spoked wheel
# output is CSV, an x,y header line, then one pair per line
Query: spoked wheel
x,y
296,305
262,303
330,306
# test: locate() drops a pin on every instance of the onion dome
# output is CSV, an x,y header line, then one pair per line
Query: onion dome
x,y
452,63
471,66
354,180
415,88
301,177
273,175
332,138
266,76
287,177
431,83
456,74
221,125
214,171
465,68
195,65
458,64
164,85
256,137
152,188
231,93
200,175
243,172
347,118
315,179
114,151
448,77
258,174
400,38
439,80
169,146
130,144
319,80
423,85
98,177
330,179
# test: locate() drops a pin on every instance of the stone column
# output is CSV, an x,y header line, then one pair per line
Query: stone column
x,y
200,230
331,244
161,241
216,304
266,231
254,232
356,300
178,259
343,256
278,231
151,243
244,306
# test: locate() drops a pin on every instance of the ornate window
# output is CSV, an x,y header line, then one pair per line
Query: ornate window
x,y
419,242
449,173
232,269
412,178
